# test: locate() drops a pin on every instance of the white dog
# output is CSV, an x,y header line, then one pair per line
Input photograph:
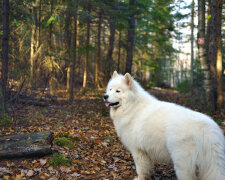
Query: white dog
x,y
158,131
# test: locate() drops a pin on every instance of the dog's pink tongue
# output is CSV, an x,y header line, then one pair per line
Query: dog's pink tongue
x,y
107,104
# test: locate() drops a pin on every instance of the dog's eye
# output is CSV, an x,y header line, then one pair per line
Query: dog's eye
x,y
117,91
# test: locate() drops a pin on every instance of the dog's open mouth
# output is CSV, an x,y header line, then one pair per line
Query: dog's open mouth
x,y
107,104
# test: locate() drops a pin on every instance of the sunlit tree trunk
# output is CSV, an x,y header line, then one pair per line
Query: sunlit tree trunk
x,y
32,51
207,84
86,61
34,42
98,58
220,99
130,37
68,78
68,44
5,58
212,46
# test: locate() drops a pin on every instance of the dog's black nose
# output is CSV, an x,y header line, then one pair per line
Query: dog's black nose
x,y
106,97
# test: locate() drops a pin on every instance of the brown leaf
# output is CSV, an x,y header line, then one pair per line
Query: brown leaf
x,y
6,177
43,162
36,165
30,173
4,171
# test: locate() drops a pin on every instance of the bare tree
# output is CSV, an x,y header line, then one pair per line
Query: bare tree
x,y
111,46
207,84
86,61
5,58
219,56
74,53
98,57
192,38
130,37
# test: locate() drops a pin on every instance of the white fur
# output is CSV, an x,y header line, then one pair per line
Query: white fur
x,y
154,130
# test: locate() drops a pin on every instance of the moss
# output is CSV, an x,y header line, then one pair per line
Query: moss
x,y
63,141
59,159
5,120
219,122
43,111
109,138
70,137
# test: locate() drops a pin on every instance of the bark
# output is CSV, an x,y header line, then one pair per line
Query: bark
x,y
98,58
192,40
23,145
212,46
32,51
50,26
5,58
68,35
220,99
74,52
39,21
68,78
111,47
207,84
51,74
86,61
119,52
130,38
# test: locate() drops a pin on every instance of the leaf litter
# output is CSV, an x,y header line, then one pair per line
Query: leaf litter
x,y
96,152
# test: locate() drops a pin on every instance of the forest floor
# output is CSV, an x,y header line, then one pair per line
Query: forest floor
x,y
96,152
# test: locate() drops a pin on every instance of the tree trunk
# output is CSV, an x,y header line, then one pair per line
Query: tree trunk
x,y
5,58
68,78
130,37
220,99
51,74
119,52
212,47
86,61
192,40
207,84
111,47
39,21
50,26
32,51
23,145
68,45
74,53
98,58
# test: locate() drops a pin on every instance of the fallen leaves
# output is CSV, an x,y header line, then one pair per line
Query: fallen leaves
x,y
30,173
96,152
4,171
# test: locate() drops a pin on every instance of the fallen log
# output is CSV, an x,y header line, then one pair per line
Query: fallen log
x,y
25,145
32,102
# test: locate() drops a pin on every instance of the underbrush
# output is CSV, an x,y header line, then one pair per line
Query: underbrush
x,y
59,159
5,120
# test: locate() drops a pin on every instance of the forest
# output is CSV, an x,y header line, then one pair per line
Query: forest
x,y
57,57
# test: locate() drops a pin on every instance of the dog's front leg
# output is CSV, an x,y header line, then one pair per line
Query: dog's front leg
x,y
142,163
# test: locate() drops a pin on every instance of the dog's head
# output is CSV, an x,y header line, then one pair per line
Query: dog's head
x,y
118,90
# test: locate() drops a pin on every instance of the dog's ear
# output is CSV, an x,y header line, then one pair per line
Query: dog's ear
x,y
114,74
128,80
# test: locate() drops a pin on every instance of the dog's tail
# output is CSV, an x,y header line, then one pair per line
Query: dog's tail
x,y
212,159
